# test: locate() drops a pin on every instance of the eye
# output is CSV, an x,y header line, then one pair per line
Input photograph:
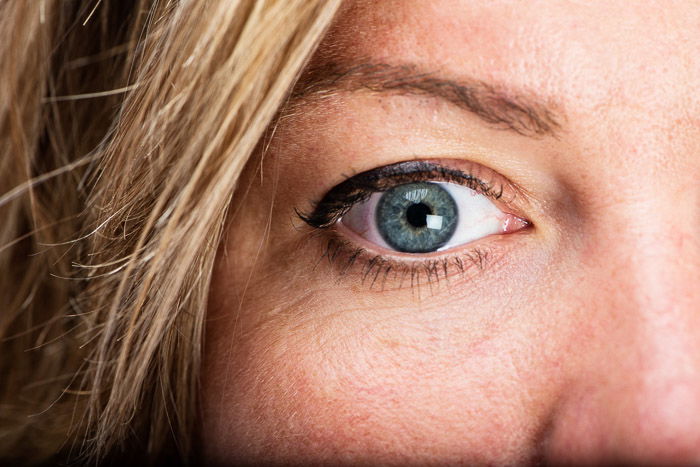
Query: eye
x,y
424,217
418,207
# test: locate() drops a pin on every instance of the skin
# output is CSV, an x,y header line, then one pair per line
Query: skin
x,y
578,339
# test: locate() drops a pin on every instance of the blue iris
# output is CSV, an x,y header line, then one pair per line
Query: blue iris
x,y
416,217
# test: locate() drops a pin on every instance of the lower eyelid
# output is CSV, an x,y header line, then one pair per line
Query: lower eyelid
x,y
352,257
396,271
342,233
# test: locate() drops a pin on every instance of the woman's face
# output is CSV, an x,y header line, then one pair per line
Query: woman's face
x,y
417,316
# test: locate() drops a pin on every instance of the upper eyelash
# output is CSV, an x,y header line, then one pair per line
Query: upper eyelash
x,y
358,188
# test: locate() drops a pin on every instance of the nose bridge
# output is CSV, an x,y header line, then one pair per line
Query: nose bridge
x,y
659,259
639,398
655,277
655,260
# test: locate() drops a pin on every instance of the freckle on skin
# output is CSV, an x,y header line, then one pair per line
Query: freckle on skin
x,y
390,343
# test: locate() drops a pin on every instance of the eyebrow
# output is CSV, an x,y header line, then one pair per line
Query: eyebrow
x,y
520,112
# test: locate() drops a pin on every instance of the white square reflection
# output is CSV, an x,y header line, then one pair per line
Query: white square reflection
x,y
433,222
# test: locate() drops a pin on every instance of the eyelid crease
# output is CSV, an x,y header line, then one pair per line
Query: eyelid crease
x,y
360,187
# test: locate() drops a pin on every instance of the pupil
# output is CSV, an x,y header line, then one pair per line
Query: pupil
x,y
416,214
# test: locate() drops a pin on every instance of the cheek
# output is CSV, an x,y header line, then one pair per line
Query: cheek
x,y
387,385
312,367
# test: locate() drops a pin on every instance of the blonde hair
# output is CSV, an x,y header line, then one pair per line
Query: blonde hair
x,y
123,131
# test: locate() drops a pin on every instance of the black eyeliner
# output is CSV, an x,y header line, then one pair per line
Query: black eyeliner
x,y
360,187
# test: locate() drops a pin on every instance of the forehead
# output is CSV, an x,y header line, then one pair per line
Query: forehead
x,y
641,54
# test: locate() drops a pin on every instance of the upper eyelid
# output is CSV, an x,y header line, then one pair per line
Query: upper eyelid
x,y
359,187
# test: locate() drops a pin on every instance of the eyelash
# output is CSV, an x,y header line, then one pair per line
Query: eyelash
x,y
377,268
356,189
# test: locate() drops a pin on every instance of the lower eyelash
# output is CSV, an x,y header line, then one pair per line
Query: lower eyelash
x,y
375,271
